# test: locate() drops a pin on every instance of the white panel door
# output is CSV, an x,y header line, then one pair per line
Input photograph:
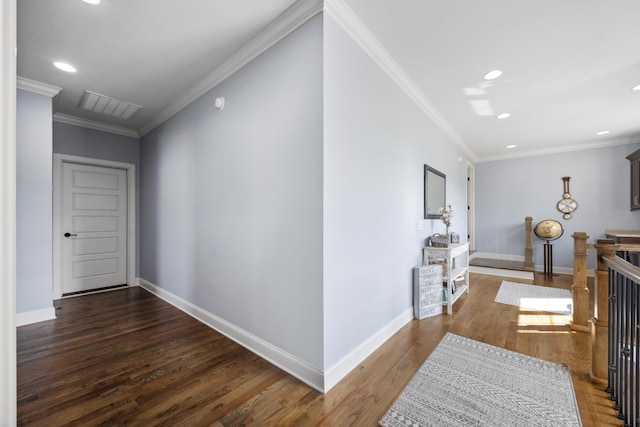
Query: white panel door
x,y
94,227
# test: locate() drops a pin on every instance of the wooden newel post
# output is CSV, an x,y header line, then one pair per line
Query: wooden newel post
x,y
579,289
528,248
600,323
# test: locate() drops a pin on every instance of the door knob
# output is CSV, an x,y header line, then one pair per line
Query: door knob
x,y
69,235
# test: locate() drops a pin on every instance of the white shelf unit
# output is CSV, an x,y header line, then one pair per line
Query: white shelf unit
x,y
455,261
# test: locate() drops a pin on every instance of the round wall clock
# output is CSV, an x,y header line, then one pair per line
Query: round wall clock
x,y
567,205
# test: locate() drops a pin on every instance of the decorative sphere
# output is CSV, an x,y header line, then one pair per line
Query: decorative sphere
x,y
548,229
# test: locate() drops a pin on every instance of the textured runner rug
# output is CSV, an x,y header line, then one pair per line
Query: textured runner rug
x,y
542,298
468,383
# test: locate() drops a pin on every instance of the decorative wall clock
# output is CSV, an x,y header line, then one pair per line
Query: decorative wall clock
x,y
567,205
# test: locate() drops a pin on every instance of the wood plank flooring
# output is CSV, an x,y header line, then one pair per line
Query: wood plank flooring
x,y
125,357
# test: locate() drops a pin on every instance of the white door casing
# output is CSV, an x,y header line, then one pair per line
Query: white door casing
x,y
94,199
471,207
94,222
8,394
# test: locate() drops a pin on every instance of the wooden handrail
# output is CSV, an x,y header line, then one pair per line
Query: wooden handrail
x,y
626,247
622,266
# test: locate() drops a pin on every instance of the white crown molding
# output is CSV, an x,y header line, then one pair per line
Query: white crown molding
x,y
291,19
37,87
90,124
350,22
558,150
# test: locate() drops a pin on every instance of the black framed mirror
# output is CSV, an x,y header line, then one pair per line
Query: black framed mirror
x,y
435,186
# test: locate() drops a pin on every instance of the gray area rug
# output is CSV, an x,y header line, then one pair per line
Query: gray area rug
x,y
541,298
468,383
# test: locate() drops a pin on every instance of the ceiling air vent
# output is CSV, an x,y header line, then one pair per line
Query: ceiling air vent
x,y
106,105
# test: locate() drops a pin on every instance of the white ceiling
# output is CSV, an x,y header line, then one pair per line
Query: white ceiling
x,y
568,65
147,52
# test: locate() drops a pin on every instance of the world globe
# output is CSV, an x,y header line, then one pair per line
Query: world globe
x,y
548,229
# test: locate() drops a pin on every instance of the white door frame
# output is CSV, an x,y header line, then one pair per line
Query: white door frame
x,y
471,204
8,393
130,168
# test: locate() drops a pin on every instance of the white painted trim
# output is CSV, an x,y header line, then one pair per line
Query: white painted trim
x,y
130,168
90,124
561,149
280,358
8,394
37,87
29,317
516,274
338,371
99,291
351,23
471,202
503,257
556,270
291,19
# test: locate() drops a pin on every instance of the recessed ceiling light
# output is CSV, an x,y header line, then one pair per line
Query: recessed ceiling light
x,y
604,132
65,67
503,116
94,2
636,87
511,146
492,75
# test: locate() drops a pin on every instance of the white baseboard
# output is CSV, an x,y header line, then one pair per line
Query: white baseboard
x,y
522,274
352,360
556,270
516,274
503,257
510,257
29,317
280,358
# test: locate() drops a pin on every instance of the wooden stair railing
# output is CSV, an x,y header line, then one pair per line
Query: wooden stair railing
x,y
624,335
579,289
598,324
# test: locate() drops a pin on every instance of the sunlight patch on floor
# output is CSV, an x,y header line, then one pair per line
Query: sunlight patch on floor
x,y
543,323
547,304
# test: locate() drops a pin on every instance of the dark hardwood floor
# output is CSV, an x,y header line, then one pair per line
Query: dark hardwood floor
x,y
125,357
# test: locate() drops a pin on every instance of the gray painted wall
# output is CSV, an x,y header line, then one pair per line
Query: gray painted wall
x,y
84,142
34,269
509,190
376,144
232,200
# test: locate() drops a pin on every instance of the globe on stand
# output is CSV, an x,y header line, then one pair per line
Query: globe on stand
x,y
548,230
